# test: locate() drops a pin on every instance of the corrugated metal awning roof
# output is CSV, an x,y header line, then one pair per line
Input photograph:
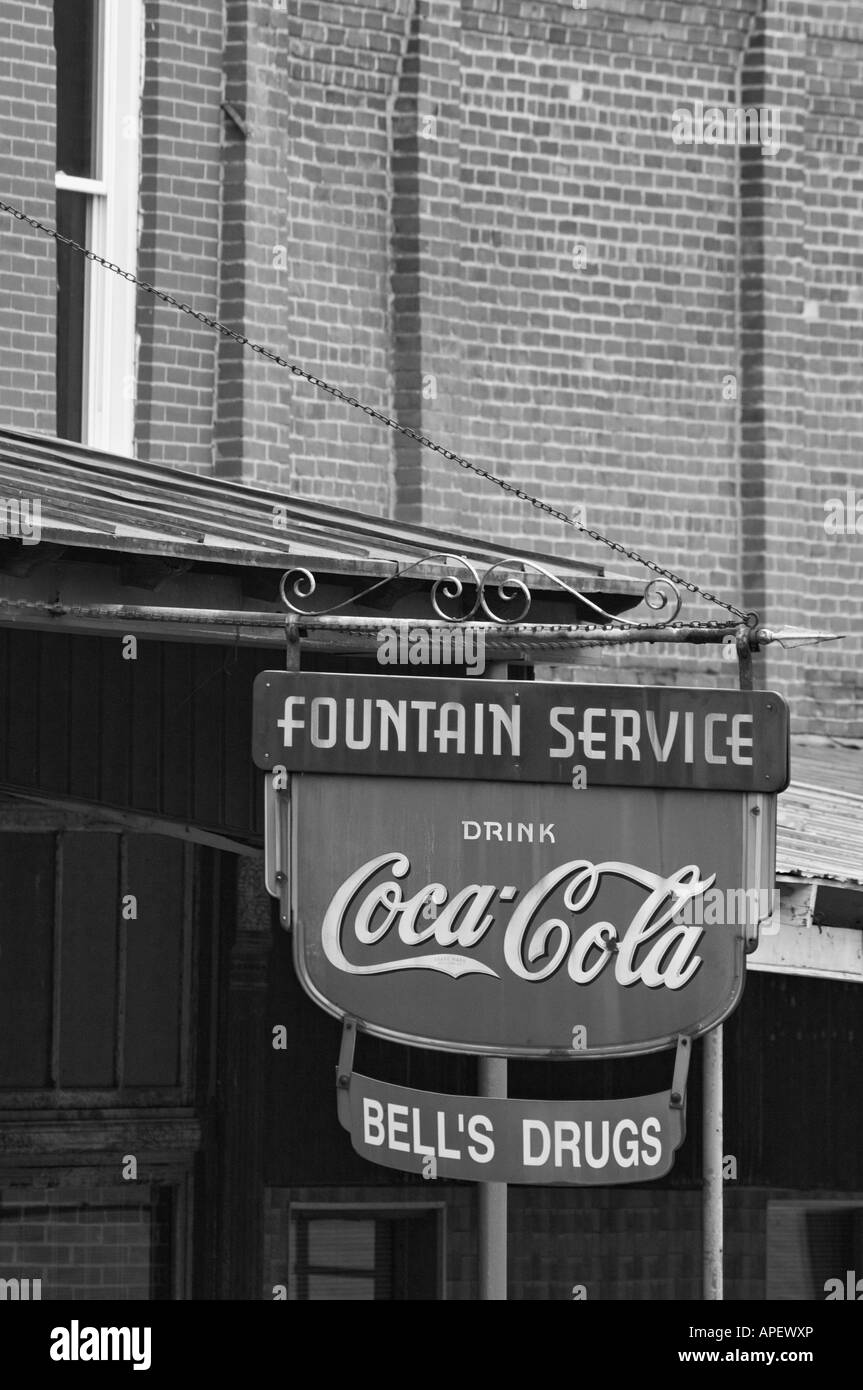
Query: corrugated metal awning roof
x,y
101,501
820,816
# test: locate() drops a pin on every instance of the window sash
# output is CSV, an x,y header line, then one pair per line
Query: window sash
x,y
107,413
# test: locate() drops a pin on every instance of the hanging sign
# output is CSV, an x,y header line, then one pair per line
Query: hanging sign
x,y
524,918
579,1142
521,731
584,1142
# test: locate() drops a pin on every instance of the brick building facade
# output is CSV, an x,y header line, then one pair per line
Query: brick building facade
x,y
473,216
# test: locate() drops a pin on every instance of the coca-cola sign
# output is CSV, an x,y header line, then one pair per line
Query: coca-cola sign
x,y
532,920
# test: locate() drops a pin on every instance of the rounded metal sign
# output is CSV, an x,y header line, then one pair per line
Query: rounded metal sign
x,y
521,868
533,920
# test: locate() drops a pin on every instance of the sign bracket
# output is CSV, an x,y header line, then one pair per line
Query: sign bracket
x,y
344,1070
292,643
681,1072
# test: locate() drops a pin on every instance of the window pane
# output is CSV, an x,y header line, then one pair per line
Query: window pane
x,y
74,42
71,269
335,1287
349,1244
374,1255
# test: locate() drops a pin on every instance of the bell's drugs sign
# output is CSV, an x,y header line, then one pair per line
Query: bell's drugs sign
x,y
477,901
588,1142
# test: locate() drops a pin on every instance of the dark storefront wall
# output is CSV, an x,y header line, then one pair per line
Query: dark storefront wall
x,y
793,1115
104,1005
169,736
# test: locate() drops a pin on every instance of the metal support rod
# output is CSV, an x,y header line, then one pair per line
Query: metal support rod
x,y
492,1198
292,644
712,1195
246,627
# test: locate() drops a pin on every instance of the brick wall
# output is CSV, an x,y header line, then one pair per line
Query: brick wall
x,y
28,121
628,1244
812,303
88,1243
181,231
323,237
474,216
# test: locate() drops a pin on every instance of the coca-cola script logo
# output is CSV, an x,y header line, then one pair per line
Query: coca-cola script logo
x,y
650,950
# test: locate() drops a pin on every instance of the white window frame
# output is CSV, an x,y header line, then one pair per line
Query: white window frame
x,y
110,346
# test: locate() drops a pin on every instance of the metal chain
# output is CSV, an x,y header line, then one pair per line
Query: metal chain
x,y
751,619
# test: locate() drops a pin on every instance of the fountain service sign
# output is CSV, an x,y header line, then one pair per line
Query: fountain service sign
x,y
517,869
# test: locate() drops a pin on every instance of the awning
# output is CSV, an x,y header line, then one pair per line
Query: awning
x,y
98,501
820,816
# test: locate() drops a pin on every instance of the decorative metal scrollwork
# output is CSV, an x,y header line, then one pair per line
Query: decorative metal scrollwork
x,y
658,594
303,584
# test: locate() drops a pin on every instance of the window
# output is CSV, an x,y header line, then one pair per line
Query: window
x,y
98,49
810,1244
367,1254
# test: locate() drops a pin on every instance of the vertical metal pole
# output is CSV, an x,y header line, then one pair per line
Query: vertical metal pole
x,y
493,1195
712,1195
492,1198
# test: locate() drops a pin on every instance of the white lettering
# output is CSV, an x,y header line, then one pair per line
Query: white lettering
x,y
623,740
288,723
569,738
656,949
320,703
455,713
592,740
529,1158
482,1148
365,738
709,752
373,1116
397,1123
737,741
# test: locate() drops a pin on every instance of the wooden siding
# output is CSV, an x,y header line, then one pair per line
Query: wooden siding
x,y
91,1002
167,734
